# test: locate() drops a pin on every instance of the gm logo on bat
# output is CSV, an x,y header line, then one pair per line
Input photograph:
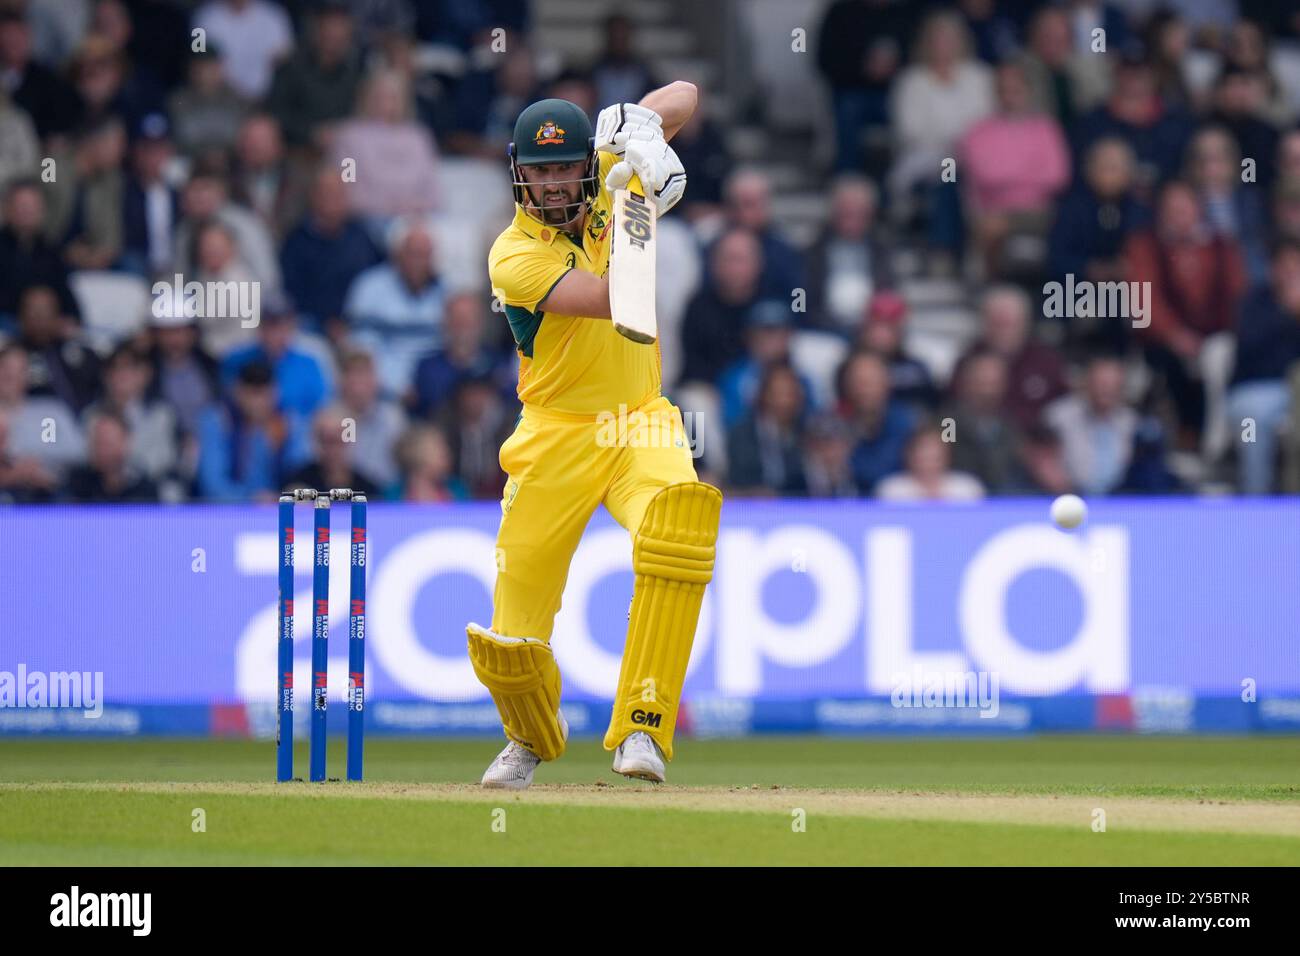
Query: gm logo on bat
x,y
636,219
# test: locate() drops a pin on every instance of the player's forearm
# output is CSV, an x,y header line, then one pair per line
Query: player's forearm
x,y
674,102
579,293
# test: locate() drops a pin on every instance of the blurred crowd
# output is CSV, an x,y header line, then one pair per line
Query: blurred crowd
x,y
129,154
1151,143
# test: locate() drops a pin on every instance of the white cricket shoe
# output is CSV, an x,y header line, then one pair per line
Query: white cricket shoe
x,y
513,767
639,756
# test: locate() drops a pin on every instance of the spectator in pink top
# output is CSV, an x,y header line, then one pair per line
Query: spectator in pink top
x,y
396,159
1014,163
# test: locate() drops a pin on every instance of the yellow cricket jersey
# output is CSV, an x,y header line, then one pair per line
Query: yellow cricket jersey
x,y
568,363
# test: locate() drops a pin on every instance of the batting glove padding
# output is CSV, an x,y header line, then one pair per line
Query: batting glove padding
x,y
616,123
657,166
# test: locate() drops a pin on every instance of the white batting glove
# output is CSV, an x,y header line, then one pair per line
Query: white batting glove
x,y
616,123
661,173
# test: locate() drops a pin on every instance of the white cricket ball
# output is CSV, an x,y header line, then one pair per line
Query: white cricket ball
x,y
1069,511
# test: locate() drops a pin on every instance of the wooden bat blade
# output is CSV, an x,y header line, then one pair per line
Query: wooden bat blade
x,y
632,265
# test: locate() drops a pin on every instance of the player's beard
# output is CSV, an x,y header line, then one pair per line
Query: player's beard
x,y
561,212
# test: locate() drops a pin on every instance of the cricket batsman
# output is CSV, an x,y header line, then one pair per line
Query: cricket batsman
x,y
549,269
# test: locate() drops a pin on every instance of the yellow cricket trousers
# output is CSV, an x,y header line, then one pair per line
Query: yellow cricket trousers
x,y
559,469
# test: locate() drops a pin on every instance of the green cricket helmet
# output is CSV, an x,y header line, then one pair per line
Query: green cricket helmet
x,y
554,131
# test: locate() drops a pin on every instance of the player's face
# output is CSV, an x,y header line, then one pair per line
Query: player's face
x,y
555,189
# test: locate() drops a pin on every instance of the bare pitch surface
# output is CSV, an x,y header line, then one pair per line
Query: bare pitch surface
x,y
1128,813
1171,801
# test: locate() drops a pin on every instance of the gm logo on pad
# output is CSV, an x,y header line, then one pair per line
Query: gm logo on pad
x,y
646,718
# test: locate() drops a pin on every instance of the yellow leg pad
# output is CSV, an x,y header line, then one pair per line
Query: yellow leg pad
x,y
672,557
521,674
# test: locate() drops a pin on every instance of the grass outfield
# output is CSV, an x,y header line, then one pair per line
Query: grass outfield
x,y
1167,801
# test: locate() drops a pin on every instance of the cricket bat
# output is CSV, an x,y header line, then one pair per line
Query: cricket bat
x,y
632,265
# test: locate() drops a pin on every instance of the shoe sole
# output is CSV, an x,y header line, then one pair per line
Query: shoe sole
x,y
639,773
647,775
